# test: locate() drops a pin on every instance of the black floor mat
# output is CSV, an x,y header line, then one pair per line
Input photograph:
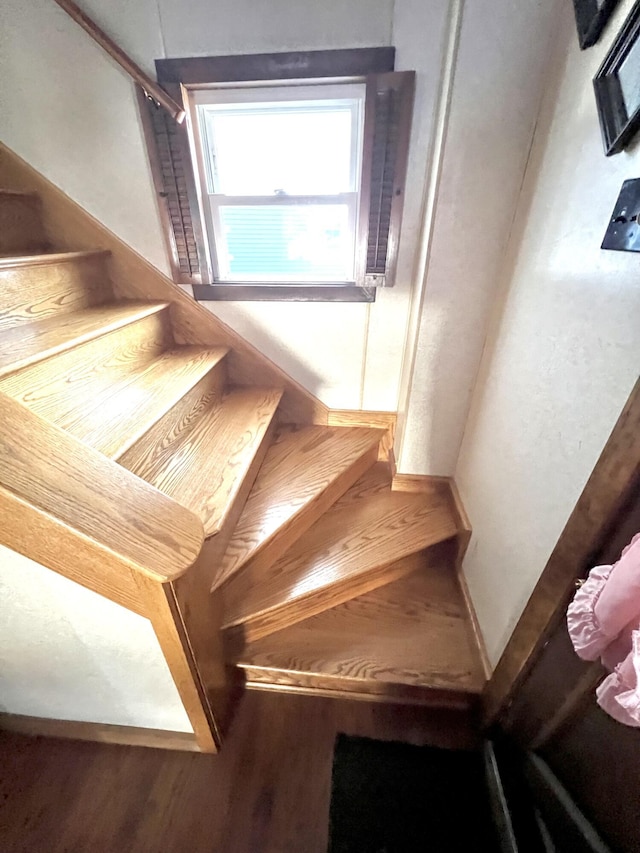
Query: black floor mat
x,y
397,798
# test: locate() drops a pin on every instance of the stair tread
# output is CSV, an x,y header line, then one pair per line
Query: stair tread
x,y
127,409
368,528
300,466
203,465
412,632
70,383
38,286
18,193
31,342
40,258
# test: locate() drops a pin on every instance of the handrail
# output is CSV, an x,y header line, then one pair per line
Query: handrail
x,y
116,522
151,88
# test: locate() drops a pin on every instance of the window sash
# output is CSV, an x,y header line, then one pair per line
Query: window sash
x,y
325,94
220,261
204,136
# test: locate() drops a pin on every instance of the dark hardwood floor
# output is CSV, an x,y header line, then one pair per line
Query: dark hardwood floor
x,y
267,792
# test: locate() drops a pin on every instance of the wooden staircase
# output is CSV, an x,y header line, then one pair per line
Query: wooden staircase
x,y
323,577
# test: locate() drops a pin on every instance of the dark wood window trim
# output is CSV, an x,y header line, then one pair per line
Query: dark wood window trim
x,y
276,66
283,293
387,128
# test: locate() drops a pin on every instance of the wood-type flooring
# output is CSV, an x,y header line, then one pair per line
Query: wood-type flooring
x,y
267,792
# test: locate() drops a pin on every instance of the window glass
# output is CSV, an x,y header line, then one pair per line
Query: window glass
x,y
285,242
267,149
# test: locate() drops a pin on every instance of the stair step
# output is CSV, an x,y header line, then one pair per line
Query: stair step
x,y
68,385
304,472
354,548
116,420
21,228
409,640
34,287
203,464
29,343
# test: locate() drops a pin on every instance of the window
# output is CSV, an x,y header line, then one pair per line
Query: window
x,y
280,171
288,182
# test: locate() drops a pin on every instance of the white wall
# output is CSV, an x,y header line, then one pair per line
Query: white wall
x,y
564,351
67,653
68,112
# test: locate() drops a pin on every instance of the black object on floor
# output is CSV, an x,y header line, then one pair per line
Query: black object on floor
x,y
397,798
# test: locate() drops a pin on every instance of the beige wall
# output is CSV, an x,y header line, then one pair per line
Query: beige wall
x,y
564,351
499,77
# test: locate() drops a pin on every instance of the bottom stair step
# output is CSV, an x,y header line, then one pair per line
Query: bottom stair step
x,y
408,641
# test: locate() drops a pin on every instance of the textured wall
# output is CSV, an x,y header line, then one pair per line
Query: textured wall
x,y
564,351
497,87
67,653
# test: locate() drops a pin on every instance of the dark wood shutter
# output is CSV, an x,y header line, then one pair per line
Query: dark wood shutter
x,y
388,112
174,180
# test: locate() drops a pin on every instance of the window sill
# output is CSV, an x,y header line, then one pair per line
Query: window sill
x,y
283,293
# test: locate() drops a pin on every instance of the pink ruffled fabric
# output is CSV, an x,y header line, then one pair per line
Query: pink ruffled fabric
x,y
588,638
619,693
604,621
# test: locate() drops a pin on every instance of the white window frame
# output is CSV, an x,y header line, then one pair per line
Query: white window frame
x,y
275,93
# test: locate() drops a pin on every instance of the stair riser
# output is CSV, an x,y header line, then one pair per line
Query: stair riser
x,y
35,292
225,531
258,678
275,547
257,439
62,387
21,229
320,600
149,450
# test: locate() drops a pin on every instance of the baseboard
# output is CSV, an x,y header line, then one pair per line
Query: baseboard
x,y
421,483
475,632
373,420
464,526
455,701
99,732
